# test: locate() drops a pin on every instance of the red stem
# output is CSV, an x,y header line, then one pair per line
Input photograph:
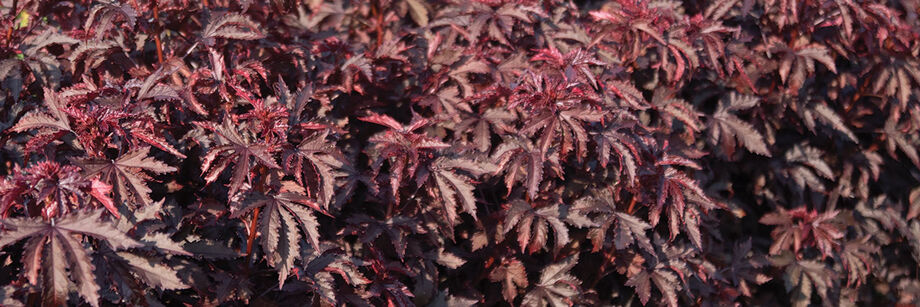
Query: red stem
x,y
376,10
156,36
632,205
252,231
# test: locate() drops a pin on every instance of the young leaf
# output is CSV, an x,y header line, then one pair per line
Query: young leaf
x,y
232,26
557,286
727,129
513,276
280,217
239,150
665,281
533,226
126,173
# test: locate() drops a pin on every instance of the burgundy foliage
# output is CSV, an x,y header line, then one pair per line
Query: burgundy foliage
x,y
459,152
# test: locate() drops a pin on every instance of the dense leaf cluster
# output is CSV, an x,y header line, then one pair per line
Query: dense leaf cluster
x,y
451,153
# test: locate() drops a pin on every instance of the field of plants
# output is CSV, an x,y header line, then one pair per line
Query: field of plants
x,y
460,152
